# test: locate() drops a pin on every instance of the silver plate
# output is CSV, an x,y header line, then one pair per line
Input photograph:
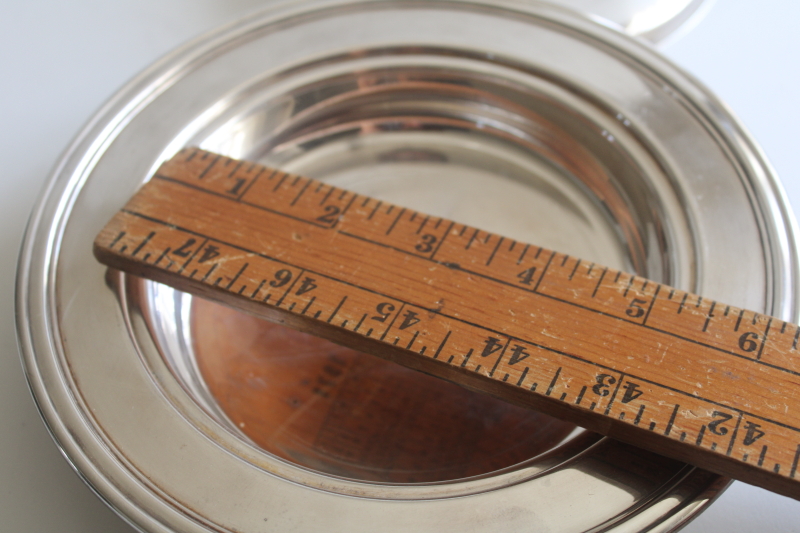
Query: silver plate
x,y
520,118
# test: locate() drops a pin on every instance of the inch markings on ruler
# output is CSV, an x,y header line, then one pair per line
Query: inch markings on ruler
x,y
679,374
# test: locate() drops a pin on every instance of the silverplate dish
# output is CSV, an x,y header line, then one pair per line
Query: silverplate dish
x,y
520,118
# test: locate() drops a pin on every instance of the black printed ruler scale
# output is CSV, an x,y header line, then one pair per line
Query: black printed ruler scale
x,y
681,375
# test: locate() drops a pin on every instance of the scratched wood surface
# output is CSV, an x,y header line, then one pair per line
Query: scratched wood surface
x,y
687,377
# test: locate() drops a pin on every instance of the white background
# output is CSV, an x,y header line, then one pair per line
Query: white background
x,y
59,61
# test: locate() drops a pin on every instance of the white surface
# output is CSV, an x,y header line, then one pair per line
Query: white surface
x,y
61,60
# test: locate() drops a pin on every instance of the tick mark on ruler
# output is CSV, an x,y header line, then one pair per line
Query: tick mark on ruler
x,y
499,242
439,349
793,471
327,195
411,342
580,395
116,239
360,322
739,320
639,415
163,254
255,292
388,231
671,420
310,302
683,302
339,306
471,239
762,456
599,281
522,255
553,383
700,435
628,287
377,206
280,182
575,269
709,316
296,198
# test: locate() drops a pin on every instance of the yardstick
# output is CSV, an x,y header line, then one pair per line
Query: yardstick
x,y
688,377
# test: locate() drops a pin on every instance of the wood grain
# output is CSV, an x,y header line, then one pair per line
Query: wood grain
x,y
687,377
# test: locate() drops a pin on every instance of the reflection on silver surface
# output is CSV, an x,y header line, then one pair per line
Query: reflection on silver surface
x,y
521,119
654,20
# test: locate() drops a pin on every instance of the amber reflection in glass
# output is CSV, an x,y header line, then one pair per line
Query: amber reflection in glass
x,y
343,412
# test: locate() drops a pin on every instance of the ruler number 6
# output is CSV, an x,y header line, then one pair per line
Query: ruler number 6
x,y
748,342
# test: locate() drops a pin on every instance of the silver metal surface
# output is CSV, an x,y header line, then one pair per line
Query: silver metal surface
x,y
516,117
654,20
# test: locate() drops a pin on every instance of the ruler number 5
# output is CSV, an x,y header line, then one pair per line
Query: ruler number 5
x,y
635,309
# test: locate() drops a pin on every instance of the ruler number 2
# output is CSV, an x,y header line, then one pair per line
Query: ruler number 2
x,y
331,212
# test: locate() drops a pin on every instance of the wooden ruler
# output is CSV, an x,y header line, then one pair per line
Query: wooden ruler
x,y
681,375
